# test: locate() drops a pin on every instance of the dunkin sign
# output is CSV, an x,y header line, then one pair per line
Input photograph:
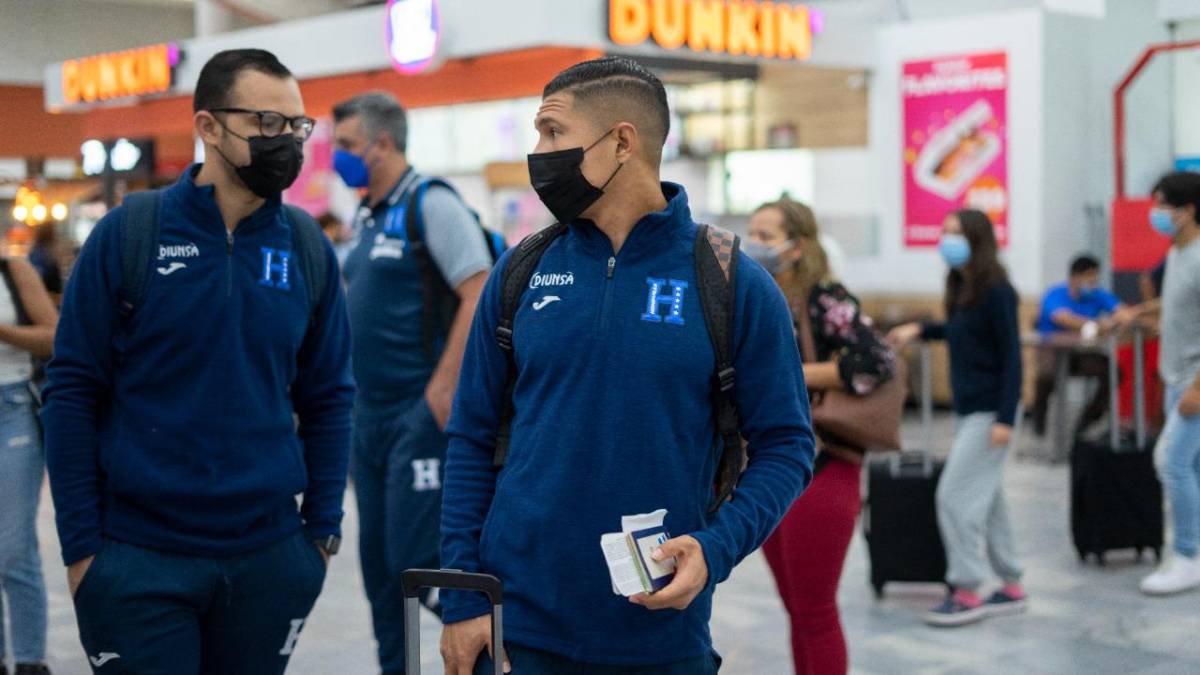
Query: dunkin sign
x,y
736,27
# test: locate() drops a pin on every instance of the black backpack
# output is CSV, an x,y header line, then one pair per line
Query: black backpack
x,y
439,302
139,238
716,273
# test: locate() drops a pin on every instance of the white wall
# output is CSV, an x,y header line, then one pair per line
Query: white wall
x,y
1019,34
34,33
1185,93
1113,46
1070,130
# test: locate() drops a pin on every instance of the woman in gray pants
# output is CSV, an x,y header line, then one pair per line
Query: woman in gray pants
x,y
985,374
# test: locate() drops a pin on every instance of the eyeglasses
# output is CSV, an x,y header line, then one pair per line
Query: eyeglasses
x,y
272,124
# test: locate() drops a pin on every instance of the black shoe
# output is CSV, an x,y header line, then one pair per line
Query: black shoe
x,y
3,669
32,669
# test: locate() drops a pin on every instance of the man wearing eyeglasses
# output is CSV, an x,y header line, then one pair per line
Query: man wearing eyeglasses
x,y
173,450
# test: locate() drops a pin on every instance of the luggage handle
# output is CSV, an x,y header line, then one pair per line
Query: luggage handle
x,y
927,394
416,580
900,461
1139,388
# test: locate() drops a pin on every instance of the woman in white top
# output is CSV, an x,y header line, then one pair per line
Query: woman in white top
x,y
27,321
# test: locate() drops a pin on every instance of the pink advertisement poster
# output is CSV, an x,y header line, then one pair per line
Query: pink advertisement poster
x,y
311,189
955,142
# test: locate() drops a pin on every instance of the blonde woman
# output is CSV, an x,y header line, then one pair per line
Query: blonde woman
x,y
808,549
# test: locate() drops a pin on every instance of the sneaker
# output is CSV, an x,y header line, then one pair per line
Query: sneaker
x,y
1178,574
959,609
32,669
1008,600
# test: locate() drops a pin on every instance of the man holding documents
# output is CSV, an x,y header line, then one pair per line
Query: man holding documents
x,y
610,411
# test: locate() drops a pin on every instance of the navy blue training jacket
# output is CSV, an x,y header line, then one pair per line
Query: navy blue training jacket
x,y
985,353
174,429
614,416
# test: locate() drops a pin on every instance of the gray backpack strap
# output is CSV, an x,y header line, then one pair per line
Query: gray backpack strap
x,y
716,275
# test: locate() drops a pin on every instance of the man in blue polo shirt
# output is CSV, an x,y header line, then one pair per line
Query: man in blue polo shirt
x,y
172,442
1080,306
613,407
411,299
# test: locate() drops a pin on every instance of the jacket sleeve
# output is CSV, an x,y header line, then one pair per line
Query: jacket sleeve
x,y
933,330
79,387
1003,309
843,333
323,396
773,406
470,479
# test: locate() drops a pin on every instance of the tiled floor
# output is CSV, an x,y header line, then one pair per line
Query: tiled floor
x,y
1084,619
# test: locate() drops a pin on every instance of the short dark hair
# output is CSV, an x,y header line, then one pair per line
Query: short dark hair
x,y
380,113
1084,264
1180,188
218,76
623,87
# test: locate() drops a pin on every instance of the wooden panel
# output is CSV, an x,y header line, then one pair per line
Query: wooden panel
x,y
827,106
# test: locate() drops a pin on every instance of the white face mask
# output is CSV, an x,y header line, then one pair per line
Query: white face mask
x,y
770,257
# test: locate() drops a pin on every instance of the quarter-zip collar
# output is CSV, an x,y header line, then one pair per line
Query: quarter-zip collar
x,y
199,206
652,234
393,197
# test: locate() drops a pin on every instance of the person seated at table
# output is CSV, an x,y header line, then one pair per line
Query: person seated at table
x,y
1077,306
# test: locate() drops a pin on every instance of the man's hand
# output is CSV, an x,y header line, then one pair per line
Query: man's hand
x,y
1001,435
1189,405
691,575
1125,316
439,399
76,573
463,642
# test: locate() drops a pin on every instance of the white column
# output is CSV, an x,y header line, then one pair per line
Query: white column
x,y
212,18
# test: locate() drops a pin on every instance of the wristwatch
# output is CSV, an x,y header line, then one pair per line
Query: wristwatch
x,y
330,545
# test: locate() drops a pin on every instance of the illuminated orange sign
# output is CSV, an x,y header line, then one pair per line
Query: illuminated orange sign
x,y
134,72
736,27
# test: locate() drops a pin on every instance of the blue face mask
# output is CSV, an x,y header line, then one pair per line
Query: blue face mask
x,y
955,250
352,168
1160,220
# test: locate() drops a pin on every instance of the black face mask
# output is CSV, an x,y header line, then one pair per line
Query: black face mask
x,y
274,163
558,179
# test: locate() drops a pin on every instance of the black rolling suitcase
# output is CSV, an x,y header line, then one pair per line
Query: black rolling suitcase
x,y
900,512
1116,496
415,581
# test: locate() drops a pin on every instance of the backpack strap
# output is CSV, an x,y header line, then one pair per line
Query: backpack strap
x,y
515,278
439,302
139,235
716,257
309,243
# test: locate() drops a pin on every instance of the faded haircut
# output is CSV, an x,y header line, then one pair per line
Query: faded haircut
x,y
615,89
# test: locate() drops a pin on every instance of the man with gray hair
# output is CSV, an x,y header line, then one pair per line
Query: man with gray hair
x,y
413,279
